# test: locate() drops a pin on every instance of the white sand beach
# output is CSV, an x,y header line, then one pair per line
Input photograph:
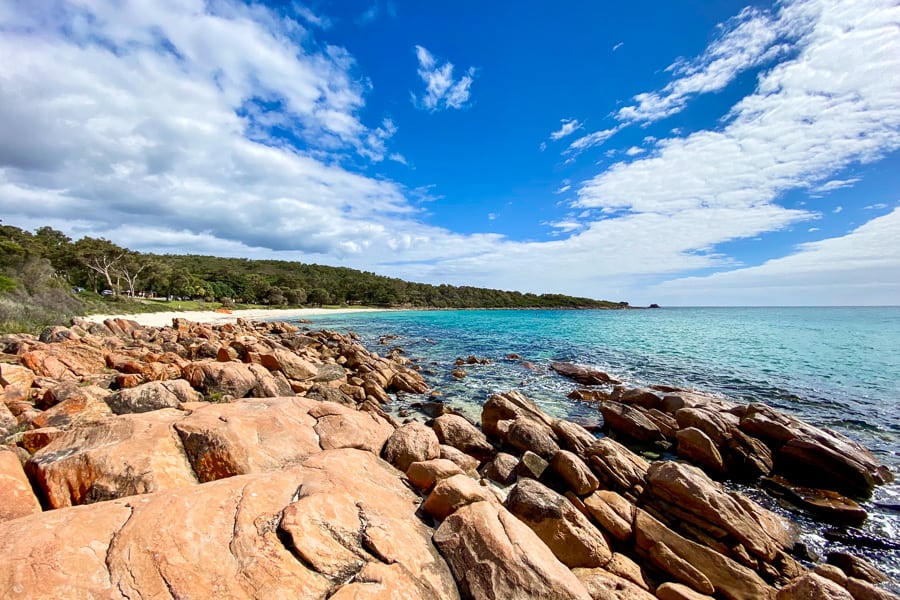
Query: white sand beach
x,y
162,319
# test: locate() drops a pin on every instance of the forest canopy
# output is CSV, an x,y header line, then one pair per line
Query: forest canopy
x,y
46,271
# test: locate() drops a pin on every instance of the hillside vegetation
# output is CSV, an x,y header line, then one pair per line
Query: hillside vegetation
x,y
46,278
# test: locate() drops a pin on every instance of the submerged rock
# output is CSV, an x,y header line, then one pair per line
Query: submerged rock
x,y
581,374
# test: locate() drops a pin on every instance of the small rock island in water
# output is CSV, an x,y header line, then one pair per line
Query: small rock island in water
x,y
256,460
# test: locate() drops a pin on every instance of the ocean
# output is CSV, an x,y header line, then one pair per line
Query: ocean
x,y
833,367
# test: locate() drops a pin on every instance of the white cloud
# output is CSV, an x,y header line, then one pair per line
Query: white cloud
x,y
617,46
634,151
810,116
442,90
590,140
157,127
858,268
563,189
747,41
835,184
838,209
878,206
812,230
565,226
569,126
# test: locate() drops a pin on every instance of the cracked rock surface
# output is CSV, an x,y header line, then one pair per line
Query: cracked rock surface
x,y
301,532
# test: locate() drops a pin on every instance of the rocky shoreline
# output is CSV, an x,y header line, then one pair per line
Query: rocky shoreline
x,y
257,460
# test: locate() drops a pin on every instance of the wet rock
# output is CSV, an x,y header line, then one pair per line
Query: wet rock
x,y
747,457
567,532
856,566
824,504
456,431
16,496
411,443
851,536
432,409
582,374
816,457
588,395
863,590
494,555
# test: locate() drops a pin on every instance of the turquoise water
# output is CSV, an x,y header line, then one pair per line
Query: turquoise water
x,y
834,367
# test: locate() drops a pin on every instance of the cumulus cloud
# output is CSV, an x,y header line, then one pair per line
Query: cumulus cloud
x,y
442,90
229,130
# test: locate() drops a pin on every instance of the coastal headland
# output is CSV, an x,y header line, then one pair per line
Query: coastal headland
x,y
231,458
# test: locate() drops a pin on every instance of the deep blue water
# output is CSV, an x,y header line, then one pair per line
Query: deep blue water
x,y
833,367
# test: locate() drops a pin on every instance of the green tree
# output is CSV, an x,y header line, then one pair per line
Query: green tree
x,y
102,258
319,296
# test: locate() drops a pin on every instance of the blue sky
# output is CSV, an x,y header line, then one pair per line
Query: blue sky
x,y
684,153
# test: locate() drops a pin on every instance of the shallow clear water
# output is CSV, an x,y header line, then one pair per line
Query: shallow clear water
x,y
834,367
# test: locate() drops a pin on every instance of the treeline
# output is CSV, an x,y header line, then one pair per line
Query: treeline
x,y
48,265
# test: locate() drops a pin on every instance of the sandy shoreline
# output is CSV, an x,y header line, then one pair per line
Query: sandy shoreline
x,y
162,319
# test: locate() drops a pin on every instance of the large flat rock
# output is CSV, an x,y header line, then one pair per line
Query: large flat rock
x,y
241,537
